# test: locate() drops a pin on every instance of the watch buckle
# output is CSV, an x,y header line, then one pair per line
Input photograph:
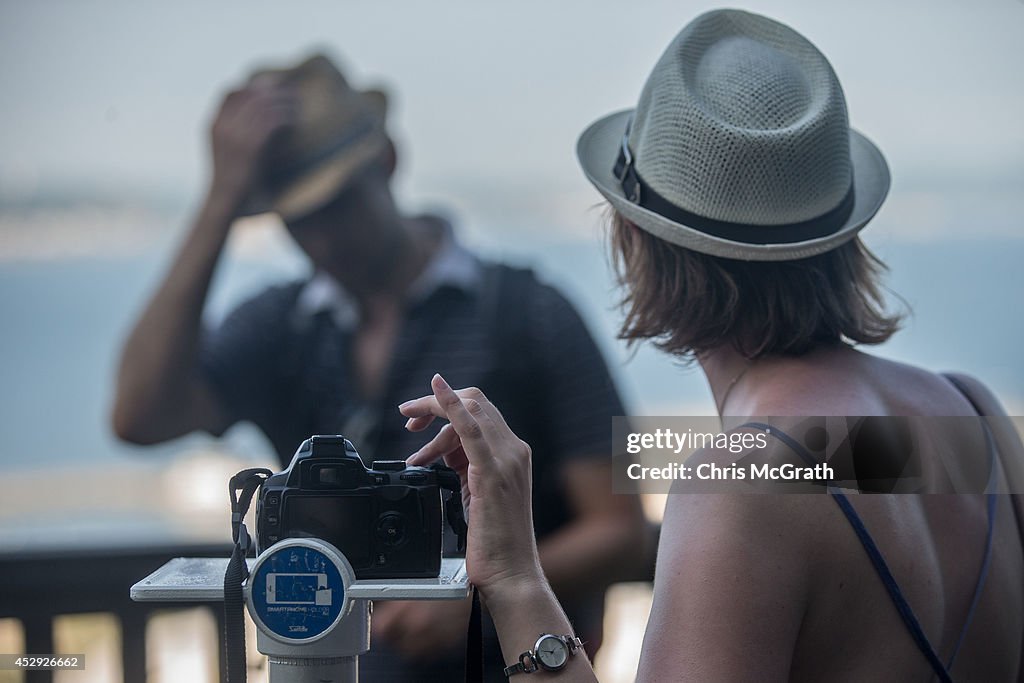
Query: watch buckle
x,y
528,663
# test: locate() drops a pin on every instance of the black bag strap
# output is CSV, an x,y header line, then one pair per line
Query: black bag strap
x,y
506,289
241,489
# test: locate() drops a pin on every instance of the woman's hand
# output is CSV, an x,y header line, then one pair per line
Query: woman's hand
x,y
494,467
501,554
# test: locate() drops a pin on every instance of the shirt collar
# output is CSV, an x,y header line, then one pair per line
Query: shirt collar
x,y
452,265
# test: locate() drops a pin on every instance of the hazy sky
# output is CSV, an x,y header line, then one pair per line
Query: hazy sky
x,y
489,97
112,99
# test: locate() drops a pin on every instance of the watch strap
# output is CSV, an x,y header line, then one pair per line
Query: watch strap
x,y
527,664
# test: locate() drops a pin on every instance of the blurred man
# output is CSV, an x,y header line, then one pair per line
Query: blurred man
x,y
337,352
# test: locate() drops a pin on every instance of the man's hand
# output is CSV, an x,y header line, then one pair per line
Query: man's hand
x,y
247,121
424,630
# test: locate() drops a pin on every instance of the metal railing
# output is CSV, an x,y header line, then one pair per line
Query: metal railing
x,y
36,587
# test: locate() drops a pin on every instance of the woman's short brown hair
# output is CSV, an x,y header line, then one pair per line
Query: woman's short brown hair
x,y
689,303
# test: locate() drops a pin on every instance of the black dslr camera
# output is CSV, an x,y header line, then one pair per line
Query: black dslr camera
x,y
386,520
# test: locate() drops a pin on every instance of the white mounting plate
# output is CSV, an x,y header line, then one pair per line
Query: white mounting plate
x,y
201,579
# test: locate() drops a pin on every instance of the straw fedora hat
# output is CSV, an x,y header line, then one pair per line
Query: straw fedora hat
x,y
739,146
339,131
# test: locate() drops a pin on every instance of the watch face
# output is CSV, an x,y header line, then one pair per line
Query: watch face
x,y
551,653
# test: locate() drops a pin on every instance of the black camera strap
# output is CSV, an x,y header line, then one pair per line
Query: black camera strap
x,y
475,642
241,489
447,479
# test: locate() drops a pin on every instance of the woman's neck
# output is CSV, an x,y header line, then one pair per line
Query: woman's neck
x,y
737,383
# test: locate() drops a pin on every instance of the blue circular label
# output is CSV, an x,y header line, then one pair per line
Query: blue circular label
x,y
297,592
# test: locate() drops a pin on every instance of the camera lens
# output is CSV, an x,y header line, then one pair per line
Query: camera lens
x,y
391,529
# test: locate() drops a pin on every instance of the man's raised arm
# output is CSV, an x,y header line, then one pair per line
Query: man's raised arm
x,y
160,393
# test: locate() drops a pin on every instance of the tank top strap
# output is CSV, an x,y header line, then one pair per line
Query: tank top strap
x,y
899,601
881,567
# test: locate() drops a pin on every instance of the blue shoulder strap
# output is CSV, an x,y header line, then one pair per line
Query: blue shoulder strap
x,y
882,568
990,491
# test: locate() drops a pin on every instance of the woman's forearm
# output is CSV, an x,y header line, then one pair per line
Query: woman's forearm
x,y
522,611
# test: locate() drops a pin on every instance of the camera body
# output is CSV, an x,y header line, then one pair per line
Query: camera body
x,y
385,519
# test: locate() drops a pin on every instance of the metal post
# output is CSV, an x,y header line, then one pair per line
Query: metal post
x,y
334,659
307,670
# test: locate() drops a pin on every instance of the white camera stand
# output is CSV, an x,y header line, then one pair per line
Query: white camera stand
x,y
313,616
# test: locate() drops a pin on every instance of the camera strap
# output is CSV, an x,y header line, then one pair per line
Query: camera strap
x,y
448,480
241,489
475,642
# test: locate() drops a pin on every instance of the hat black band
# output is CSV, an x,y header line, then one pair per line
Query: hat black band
x,y
642,194
282,175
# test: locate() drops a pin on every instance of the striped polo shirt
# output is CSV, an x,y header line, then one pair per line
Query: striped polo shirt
x,y
283,360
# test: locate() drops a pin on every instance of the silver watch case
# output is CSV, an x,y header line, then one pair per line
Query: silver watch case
x,y
551,652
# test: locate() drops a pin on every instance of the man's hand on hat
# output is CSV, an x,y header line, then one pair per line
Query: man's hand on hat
x,y
247,121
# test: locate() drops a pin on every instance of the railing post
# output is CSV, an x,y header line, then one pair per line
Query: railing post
x,y
133,645
38,641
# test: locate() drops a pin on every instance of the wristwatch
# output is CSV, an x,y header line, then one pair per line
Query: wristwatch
x,y
550,653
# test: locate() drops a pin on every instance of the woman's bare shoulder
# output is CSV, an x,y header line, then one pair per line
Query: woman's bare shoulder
x,y
855,383
976,391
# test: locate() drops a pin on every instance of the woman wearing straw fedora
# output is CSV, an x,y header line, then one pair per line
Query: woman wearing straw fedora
x,y
737,189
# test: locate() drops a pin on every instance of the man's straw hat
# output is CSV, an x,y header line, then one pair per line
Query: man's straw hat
x,y
339,130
